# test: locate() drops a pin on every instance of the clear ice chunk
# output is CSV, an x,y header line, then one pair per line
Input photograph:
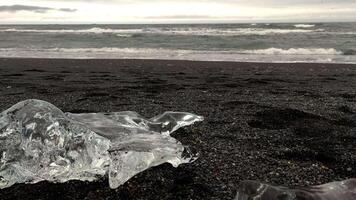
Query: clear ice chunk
x,y
39,142
342,190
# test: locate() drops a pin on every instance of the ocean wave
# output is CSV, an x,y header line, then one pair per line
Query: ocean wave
x,y
263,31
94,30
124,35
170,31
268,51
341,33
117,50
274,55
295,51
349,52
304,25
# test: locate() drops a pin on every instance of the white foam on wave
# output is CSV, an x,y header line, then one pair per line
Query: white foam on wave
x,y
263,31
295,51
201,31
268,51
275,55
94,30
304,25
124,35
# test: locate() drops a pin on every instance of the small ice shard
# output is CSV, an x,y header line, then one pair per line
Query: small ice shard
x,y
342,190
39,142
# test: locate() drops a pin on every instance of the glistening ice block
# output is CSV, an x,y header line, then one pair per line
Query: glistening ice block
x,y
342,190
39,142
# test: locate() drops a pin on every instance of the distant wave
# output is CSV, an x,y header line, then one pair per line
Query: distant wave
x,y
349,52
116,50
258,55
295,51
268,51
110,50
304,25
124,35
262,31
169,31
94,30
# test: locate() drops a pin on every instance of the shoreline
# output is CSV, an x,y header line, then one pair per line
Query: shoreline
x,y
288,124
174,60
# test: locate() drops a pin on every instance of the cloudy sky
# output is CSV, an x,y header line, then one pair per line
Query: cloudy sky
x,y
175,11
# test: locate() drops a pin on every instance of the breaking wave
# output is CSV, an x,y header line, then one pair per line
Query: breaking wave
x,y
169,31
295,51
274,55
285,42
269,51
304,25
94,30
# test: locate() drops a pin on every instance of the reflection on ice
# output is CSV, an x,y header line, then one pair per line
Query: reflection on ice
x,y
39,142
343,190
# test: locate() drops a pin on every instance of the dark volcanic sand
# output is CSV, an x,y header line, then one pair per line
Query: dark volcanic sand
x,y
291,124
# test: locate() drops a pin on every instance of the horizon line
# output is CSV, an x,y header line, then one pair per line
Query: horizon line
x,y
163,23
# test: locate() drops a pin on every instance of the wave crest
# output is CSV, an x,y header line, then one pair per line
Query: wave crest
x,y
304,25
268,51
201,31
94,30
295,51
273,55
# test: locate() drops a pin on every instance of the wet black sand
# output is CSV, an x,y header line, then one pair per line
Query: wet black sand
x,y
291,124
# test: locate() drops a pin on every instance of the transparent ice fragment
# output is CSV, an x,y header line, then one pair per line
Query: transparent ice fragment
x,y
39,142
342,190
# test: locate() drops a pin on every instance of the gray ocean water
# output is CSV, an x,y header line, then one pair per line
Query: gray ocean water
x,y
310,42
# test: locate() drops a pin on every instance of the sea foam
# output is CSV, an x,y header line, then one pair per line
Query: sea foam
x,y
304,25
295,51
201,31
274,55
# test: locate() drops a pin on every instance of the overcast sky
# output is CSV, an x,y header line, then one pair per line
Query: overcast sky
x,y
175,11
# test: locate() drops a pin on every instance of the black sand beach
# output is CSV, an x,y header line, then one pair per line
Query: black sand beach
x,y
289,124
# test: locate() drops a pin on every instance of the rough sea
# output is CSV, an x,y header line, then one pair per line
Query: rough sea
x,y
309,42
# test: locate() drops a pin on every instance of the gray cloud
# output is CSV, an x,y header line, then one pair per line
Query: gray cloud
x,y
291,10
279,4
251,3
255,2
181,17
36,9
67,9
